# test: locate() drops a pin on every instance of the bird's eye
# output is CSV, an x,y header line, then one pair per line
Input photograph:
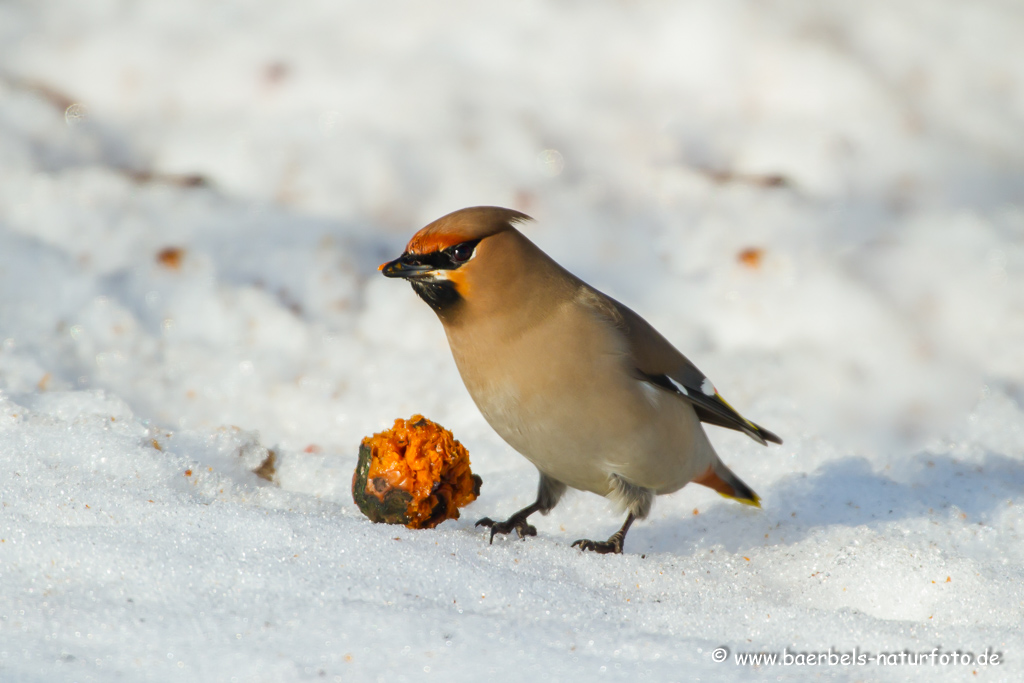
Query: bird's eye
x,y
462,252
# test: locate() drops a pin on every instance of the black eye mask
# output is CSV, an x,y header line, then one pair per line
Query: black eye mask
x,y
445,259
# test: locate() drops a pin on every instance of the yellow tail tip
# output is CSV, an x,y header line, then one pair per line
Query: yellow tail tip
x,y
754,502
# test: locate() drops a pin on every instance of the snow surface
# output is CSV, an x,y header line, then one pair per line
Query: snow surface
x,y
819,202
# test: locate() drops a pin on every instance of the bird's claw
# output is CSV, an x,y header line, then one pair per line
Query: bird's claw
x,y
613,545
517,523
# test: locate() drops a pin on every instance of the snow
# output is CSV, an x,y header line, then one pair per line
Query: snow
x,y
819,203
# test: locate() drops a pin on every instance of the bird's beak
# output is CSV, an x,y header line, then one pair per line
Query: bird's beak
x,y
406,266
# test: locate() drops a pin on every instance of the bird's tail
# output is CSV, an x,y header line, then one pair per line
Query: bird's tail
x,y
720,478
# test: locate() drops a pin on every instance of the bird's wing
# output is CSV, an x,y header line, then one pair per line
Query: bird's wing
x,y
658,362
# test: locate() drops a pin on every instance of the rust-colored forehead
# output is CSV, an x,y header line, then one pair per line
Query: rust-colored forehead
x,y
425,242
463,225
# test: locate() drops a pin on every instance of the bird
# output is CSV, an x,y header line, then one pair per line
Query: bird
x,y
579,384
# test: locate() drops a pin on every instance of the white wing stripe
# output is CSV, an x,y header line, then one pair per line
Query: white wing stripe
x,y
679,387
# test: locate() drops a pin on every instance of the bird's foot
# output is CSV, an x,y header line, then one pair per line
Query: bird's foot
x,y
516,522
612,545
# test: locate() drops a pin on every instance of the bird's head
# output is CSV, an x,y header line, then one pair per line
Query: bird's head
x,y
444,260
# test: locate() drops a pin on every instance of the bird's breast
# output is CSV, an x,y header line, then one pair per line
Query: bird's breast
x,y
563,394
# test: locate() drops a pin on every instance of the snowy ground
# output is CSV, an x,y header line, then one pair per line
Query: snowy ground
x,y
868,158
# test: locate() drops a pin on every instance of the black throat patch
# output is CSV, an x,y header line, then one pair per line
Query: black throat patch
x,y
440,295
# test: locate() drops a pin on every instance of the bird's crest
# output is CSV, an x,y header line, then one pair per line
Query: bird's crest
x,y
463,225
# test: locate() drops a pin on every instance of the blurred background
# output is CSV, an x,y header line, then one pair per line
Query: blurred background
x,y
820,203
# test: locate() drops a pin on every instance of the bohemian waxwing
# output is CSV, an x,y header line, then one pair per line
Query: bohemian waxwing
x,y
582,386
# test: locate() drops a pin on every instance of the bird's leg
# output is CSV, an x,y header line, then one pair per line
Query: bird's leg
x,y
548,492
612,545
516,521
